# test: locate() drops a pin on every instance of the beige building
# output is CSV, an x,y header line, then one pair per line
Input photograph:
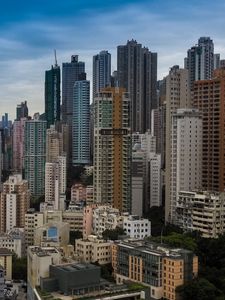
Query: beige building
x,y
93,250
73,217
55,183
14,203
6,262
53,234
33,220
14,241
203,212
54,144
177,96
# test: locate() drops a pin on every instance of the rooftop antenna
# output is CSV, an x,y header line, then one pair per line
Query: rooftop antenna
x,y
55,58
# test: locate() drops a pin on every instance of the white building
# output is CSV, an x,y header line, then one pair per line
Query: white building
x,y
186,155
105,217
155,184
55,183
202,211
136,227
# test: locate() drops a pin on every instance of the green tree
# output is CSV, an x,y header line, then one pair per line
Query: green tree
x,y
199,289
113,234
19,268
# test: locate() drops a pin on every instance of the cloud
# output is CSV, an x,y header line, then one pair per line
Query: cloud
x,y
27,46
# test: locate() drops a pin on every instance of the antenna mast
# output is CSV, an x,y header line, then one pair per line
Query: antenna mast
x,y
55,58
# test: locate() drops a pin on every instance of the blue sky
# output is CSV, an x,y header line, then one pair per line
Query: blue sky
x,y
30,30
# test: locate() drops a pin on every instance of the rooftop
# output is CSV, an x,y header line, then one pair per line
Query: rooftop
x,y
5,252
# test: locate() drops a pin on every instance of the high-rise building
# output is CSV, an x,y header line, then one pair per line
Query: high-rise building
x,y
177,96
186,156
21,111
1,157
52,95
209,98
54,144
14,203
200,60
71,72
35,155
18,144
101,72
55,183
81,123
137,73
112,148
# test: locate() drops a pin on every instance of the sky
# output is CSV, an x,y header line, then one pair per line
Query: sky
x,y
31,30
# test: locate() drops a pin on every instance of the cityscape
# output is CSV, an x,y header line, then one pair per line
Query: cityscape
x,y
116,188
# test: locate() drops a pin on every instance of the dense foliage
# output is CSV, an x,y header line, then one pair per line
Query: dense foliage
x,y
112,234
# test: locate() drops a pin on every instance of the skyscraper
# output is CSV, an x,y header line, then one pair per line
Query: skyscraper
x,y
18,144
200,60
70,74
177,96
101,71
186,156
137,73
209,98
81,123
55,183
112,149
52,95
21,110
54,144
35,155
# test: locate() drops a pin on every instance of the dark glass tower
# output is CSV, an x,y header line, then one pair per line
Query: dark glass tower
x,y
137,73
52,95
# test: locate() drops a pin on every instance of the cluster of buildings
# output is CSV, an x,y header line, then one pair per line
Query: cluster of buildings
x,y
145,143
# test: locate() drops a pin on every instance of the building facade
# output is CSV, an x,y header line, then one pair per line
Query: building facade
x,y
203,212
35,155
209,98
81,123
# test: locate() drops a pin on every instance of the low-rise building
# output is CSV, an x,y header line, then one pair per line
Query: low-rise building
x,y
39,259
158,266
14,241
93,249
136,227
201,211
